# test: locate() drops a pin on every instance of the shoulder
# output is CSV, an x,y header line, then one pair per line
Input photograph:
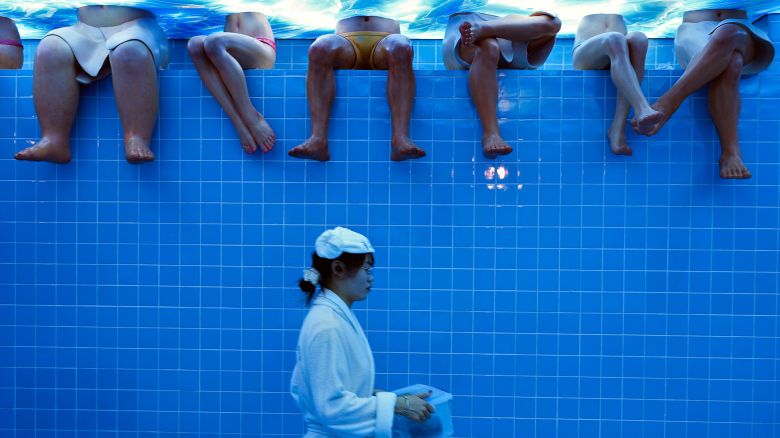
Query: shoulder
x,y
320,319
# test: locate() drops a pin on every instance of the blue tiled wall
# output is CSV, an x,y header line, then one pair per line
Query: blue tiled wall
x,y
582,294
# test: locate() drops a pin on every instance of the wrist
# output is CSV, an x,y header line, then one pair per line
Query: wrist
x,y
401,404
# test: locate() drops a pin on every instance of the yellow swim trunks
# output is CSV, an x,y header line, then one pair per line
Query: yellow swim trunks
x,y
365,43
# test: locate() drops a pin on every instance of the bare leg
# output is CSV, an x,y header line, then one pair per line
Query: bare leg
x,y
135,86
11,57
213,82
326,53
229,53
724,104
483,86
56,95
611,50
637,51
394,53
713,60
512,27
480,47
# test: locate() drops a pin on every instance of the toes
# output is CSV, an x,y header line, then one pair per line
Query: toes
x,y
269,144
299,152
139,156
414,153
31,153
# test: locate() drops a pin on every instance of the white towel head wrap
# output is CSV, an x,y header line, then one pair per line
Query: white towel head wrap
x,y
332,243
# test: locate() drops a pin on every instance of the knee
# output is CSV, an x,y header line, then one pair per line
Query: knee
x,y
488,51
550,26
733,71
322,52
616,44
399,51
553,26
195,46
131,54
637,42
53,51
213,47
730,35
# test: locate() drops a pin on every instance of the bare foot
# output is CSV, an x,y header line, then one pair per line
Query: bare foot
x,y
46,150
245,137
649,129
732,167
469,33
247,142
617,141
647,121
137,151
404,149
314,148
262,133
493,145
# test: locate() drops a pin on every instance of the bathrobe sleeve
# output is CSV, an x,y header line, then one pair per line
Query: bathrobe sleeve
x,y
335,407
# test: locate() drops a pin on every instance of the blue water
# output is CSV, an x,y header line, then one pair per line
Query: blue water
x,y
559,290
419,19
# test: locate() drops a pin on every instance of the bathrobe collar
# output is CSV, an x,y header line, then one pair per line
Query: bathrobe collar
x,y
330,299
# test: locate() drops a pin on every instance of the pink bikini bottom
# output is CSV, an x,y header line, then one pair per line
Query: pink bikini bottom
x,y
269,41
11,43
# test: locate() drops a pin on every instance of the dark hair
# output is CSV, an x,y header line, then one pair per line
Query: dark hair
x,y
353,262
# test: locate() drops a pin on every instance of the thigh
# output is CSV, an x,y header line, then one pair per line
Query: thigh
x,y
335,48
249,52
383,48
592,54
745,40
10,57
53,48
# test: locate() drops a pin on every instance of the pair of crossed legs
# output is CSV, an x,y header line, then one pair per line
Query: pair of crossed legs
x,y
720,65
479,47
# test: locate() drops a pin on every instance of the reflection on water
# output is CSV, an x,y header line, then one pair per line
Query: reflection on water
x,y
419,18
496,176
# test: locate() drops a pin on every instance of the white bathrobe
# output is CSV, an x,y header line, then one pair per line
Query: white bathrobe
x,y
333,380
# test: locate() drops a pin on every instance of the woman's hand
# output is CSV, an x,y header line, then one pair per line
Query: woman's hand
x,y
414,407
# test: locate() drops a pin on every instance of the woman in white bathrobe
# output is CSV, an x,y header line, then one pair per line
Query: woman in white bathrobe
x,y
333,380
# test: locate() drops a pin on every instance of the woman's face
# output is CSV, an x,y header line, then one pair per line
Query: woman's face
x,y
355,285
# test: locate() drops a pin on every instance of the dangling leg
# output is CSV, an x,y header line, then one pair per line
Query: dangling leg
x,y
56,96
134,76
483,86
394,53
724,104
326,53
637,51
